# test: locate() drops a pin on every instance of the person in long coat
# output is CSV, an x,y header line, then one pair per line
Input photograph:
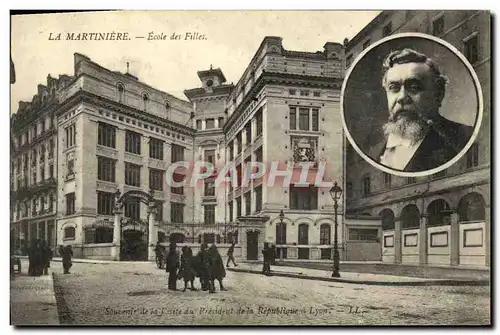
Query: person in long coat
x,y
39,252
266,254
31,258
187,271
217,270
66,253
203,267
171,266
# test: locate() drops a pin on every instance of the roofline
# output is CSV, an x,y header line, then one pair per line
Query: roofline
x,y
372,24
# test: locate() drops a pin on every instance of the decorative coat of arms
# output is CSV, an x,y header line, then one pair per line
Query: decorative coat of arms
x,y
304,149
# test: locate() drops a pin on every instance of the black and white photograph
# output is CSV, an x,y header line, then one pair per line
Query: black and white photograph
x,y
412,103
250,168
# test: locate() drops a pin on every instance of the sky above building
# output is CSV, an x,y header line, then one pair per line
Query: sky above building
x,y
223,39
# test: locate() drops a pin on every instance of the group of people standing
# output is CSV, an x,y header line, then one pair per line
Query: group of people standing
x,y
39,256
206,265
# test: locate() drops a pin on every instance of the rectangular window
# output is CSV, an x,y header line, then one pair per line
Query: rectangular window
x,y
209,214
315,119
304,93
473,156
106,135
238,207
387,180
303,118
70,136
177,153
471,49
177,212
292,91
106,169
209,123
133,208
366,186
231,150
303,197
258,198
209,188
258,117
159,211
231,213
156,179
387,29
132,142
248,203
178,178
210,156
293,118
105,203
132,174
70,203
438,26
258,155
156,148
198,124
248,132
239,140
70,168
51,148
42,173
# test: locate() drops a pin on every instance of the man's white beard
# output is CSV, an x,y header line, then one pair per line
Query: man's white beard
x,y
410,129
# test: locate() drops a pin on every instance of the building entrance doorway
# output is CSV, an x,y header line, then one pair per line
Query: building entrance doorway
x,y
134,246
252,245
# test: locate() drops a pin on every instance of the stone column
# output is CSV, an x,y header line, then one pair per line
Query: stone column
x,y
152,234
117,235
397,241
487,239
454,239
422,244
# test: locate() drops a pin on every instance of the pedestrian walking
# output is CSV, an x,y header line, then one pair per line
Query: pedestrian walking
x,y
171,266
230,255
217,271
66,253
266,254
204,267
186,271
31,258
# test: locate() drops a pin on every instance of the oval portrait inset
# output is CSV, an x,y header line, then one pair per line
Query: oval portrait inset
x,y
411,105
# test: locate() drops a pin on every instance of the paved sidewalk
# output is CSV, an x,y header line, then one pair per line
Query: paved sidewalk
x,y
92,261
32,299
352,277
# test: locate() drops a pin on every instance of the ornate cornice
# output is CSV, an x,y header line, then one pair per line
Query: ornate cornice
x,y
84,96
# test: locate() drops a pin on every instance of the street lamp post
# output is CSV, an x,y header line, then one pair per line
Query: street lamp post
x,y
282,215
336,192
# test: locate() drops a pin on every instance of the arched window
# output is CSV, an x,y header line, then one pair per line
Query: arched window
x,y
69,233
472,208
303,234
145,101
387,216
410,217
280,233
325,234
121,93
439,213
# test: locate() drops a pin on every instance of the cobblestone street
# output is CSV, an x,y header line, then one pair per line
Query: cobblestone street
x,y
135,293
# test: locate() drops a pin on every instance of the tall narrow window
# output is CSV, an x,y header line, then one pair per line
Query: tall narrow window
x,y
132,174
248,203
198,124
209,123
106,135
70,203
70,136
156,179
231,150
248,132
438,26
156,148
221,122
293,118
210,156
258,117
303,118
177,153
106,169
471,49
105,203
315,119
209,214
258,198
121,93
176,212
132,142
239,140
231,211
133,208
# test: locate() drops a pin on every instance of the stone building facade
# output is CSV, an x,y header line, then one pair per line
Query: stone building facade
x,y
443,219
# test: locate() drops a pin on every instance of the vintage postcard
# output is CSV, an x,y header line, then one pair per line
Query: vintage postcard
x,y
250,168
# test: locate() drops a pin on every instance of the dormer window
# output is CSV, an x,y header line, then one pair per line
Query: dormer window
x,y
121,92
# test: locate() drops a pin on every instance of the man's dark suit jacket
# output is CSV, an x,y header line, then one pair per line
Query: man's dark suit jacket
x,y
442,143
